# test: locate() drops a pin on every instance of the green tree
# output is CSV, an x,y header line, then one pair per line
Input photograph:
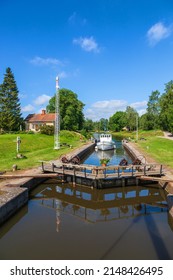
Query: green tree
x,y
88,125
103,124
166,108
153,111
10,111
131,117
71,110
117,121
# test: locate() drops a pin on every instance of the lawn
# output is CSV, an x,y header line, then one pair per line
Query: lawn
x,y
38,147
153,144
159,149
35,147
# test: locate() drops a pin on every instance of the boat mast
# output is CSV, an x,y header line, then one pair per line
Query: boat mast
x,y
57,117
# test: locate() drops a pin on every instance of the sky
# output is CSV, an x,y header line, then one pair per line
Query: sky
x,y
111,53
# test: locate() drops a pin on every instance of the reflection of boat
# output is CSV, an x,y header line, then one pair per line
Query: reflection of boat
x,y
105,142
105,154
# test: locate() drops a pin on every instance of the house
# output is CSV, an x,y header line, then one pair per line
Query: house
x,y
33,122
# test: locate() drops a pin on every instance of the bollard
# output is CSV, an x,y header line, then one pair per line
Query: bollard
x,y
14,167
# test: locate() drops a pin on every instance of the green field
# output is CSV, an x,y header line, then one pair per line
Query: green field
x,y
159,149
153,144
38,147
35,147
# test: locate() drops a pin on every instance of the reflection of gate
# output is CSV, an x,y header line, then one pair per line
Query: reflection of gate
x,y
104,205
105,214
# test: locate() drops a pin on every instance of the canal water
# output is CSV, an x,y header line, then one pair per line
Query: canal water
x,y
65,222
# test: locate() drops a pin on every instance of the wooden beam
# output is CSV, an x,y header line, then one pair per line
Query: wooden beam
x,y
17,176
157,179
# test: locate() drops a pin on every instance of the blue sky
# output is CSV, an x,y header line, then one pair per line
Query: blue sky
x,y
112,53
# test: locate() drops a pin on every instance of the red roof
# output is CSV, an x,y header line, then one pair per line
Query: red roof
x,y
41,118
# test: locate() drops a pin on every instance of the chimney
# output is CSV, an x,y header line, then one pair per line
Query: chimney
x,y
43,112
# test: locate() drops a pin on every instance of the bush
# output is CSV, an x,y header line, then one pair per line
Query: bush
x,y
47,129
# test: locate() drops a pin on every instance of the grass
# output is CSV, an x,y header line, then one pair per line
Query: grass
x,y
153,145
159,149
35,147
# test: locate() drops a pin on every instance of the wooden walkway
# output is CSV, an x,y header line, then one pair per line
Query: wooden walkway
x,y
84,173
98,176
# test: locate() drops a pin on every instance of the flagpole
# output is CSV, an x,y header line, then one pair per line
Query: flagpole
x,y
57,117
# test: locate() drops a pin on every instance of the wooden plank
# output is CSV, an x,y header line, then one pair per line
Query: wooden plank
x,y
16,176
157,179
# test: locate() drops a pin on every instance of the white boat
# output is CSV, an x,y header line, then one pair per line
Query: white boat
x,y
105,142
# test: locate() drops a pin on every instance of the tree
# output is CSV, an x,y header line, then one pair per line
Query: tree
x,y
88,125
153,111
71,110
10,111
103,124
117,121
166,108
131,117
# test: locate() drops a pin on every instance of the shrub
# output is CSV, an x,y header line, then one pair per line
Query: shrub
x,y
47,129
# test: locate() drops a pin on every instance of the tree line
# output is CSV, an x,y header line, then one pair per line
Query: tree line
x,y
159,115
159,112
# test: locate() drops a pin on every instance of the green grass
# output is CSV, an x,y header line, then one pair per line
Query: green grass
x,y
141,134
158,148
35,147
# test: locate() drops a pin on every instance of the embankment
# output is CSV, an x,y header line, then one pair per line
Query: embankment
x,y
135,153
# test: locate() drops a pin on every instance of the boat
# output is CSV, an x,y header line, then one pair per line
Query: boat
x,y
105,142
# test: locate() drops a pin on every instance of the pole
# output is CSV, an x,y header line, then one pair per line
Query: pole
x,y
18,144
136,128
57,117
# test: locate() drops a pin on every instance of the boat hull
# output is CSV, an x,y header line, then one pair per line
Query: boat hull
x,y
104,146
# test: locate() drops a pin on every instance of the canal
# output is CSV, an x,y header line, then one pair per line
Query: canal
x,y
65,222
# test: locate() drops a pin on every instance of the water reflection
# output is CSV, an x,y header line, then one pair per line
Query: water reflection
x,y
105,154
105,205
66,222
114,156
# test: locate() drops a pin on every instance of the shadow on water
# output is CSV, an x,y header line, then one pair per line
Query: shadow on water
x,y
157,240
107,253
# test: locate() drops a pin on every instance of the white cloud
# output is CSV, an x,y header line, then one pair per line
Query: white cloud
x,y
39,61
142,111
158,32
75,19
28,108
87,44
72,18
62,75
105,109
138,105
42,99
22,95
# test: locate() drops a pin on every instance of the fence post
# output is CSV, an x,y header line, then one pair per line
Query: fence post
x,y
42,166
118,171
74,176
53,167
161,169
